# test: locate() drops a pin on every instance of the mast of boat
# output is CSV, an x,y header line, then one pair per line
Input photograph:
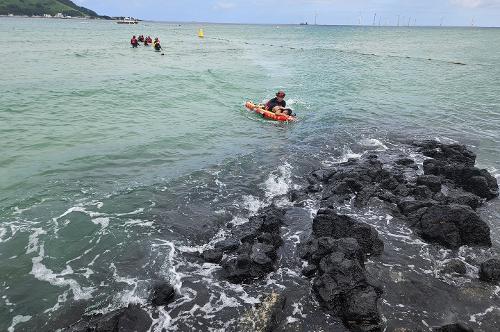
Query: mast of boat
x,y
398,20
315,18
374,18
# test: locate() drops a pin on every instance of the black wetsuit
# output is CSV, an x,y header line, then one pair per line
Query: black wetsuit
x,y
274,102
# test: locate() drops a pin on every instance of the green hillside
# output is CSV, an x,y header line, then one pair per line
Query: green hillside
x,y
40,7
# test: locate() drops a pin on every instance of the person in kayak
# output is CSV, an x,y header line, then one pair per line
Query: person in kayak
x,y
148,41
141,39
278,104
134,42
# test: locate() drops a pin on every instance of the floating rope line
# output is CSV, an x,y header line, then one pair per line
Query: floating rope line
x,y
349,52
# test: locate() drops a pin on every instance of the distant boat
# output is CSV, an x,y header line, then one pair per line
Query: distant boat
x,y
304,23
128,20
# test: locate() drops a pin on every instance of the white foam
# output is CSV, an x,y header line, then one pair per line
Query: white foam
x,y
163,322
17,210
139,222
33,240
252,203
346,155
42,273
372,142
279,184
139,210
16,320
473,318
103,221
3,232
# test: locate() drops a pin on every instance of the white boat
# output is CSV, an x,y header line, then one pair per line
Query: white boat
x,y
128,20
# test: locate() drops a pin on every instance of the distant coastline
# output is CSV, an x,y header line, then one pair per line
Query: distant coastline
x,y
118,18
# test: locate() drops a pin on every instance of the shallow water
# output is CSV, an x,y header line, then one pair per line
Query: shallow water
x,y
116,162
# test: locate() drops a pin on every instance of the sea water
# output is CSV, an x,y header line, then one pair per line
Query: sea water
x,y
116,162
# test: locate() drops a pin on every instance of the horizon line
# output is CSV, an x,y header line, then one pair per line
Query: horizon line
x,y
273,24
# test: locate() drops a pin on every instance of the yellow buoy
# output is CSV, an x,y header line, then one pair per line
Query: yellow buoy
x,y
201,34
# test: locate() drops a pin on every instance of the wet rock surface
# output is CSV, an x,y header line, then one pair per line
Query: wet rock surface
x,y
455,327
162,293
251,250
340,280
130,319
490,270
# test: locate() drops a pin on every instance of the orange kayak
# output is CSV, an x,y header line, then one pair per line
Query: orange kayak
x,y
260,109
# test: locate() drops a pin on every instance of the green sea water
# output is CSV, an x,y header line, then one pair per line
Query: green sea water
x,y
99,142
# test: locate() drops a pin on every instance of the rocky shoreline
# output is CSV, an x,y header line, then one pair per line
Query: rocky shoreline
x,y
437,199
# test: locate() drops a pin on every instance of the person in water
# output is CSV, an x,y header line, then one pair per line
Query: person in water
x,y
148,41
278,104
141,39
134,42
157,44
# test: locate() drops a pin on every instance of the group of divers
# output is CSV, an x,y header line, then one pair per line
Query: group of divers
x,y
147,41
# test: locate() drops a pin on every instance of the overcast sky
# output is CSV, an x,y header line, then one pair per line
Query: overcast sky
x,y
423,12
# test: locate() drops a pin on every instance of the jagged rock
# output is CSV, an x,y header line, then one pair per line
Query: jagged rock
x,y
256,254
361,312
458,196
451,153
490,270
227,245
266,316
431,181
408,162
472,179
212,255
454,266
455,327
453,226
316,248
162,294
410,205
422,193
314,188
456,162
130,319
321,175
309,270
328,223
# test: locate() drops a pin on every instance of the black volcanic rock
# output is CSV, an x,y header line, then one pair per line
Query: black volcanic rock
x,y
453,226
450,153
456,162
227,245
490,270
433,182
130,319
212,255
340,281
455,327
253,247
328,223
162,294
454,266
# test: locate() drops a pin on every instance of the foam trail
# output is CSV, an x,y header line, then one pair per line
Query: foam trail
x,y
16,320
41,272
